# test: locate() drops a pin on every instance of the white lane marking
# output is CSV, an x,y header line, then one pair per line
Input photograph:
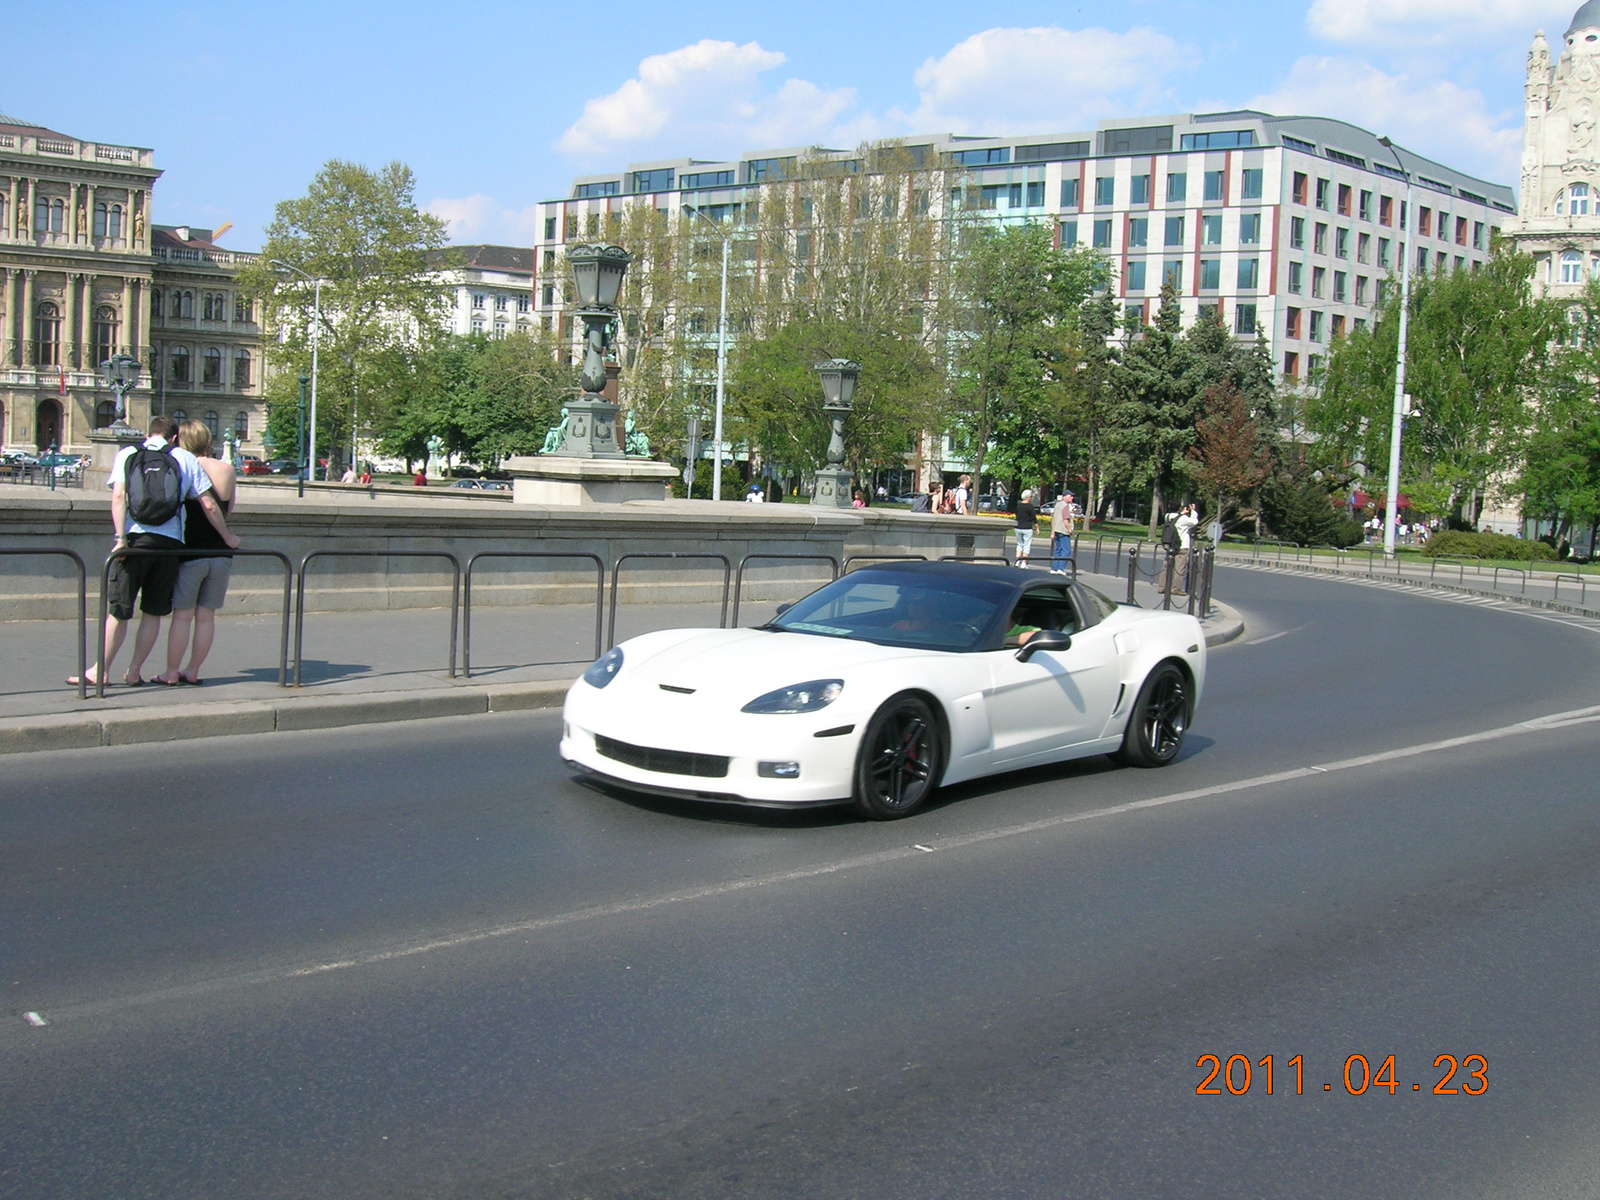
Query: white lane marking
x,y
1271,637
34,1019
1551,721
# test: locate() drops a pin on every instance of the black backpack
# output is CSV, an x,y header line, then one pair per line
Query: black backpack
x,y
154,483
1169,535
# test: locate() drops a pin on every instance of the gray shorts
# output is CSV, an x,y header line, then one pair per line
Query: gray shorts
x,y
202,582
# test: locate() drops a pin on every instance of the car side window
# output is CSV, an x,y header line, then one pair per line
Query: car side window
x,y
1042,608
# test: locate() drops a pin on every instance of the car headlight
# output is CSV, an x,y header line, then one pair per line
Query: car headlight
x,y
798,697
605,668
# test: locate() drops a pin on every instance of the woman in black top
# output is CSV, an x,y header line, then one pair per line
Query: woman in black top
x,y
202,582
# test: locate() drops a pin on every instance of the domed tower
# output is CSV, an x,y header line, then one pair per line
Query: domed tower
x,y
1559,208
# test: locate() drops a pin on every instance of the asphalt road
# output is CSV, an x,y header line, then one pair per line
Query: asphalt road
x,y
421,961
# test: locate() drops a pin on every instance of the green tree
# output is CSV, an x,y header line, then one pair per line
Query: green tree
x,y
1156,404
361,231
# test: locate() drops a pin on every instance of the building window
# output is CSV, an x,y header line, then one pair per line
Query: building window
x,y
1297,277
1324,188
1177,187
1424,222
549,229
47,335
501,303
479,300
1104,190
1319,239
100,220
1444,227
1291,365
1139,189
1422,260
1363,247
1573,202
1250,183
1249,273
1314,367
114,223
477,325
1291,324
1361,289
180,304
1341,243
1316,326
49,216
210,306
1461,231
1172,272
243,310
1385,210
1339,280
1211,312
1250,229
524,304
1174,231
179,415
155,363
105,413
1102,234
1069,234
1132,315
1139,231
1035,198
1345,195
1069,193
1299,188
1383,252
213,422
549,298
212,372
155,302
1244,319
241,426
1297,233
1211,229
105,333
1319,280
1210,274
1365,212
241,369
180,364
1213,184
1136,276
1477,235
1338,326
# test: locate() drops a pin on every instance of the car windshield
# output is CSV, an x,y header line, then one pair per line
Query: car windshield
x,y
934,612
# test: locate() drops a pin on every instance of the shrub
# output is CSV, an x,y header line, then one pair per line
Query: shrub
x,y
1485,545
1302,511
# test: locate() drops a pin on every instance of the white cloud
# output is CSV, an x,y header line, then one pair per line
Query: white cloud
x,y
1006,81
706,98
480,218
1386,23
1440,119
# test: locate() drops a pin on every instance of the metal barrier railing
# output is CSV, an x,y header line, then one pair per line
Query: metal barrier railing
x,y
300,594
1583,587
83,605
1460,564
1495,578
184,553
466,597
616,573
855,558
738,579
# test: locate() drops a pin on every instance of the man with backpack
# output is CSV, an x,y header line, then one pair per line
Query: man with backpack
x,y
149,484
1177,539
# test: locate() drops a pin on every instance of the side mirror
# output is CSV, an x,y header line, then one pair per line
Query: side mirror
x,y
1045,639
783,608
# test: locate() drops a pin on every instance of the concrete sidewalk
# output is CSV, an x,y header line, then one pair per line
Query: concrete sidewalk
x,y
358,668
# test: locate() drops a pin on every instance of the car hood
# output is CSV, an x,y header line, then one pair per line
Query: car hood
x,y
737,665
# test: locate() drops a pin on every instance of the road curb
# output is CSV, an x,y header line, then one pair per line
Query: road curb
x,y
1230,626
227,718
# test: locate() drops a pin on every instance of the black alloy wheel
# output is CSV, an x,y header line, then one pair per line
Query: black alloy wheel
x,y
901,758
1159,719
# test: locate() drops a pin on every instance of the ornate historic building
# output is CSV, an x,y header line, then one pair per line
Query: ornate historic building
x,y
85,275
1559,215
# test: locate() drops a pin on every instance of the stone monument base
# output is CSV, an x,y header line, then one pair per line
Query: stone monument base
x,y
550,479
104,446
831,489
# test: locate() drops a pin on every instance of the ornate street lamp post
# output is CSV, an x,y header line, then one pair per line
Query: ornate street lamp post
x,y
831,485
120,373
591,427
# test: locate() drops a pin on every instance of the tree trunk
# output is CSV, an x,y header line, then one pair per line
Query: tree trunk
x,y
1155,507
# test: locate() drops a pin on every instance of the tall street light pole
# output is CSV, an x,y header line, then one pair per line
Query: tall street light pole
x,y
722,357
316,338
1409,216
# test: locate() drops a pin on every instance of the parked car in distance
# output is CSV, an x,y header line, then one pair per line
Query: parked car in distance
x,y
251,465
471,485
495,485
282,466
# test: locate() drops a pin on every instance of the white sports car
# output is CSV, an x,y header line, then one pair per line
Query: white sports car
x,y
883,685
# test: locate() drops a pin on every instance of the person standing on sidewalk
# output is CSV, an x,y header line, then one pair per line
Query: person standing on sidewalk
x,y
1062,517
1177,538
1027,518
202,582
963,497
149,485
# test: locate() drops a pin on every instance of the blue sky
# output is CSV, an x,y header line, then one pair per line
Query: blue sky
x,y
497,106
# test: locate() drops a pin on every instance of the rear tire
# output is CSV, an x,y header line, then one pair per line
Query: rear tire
x,y
900,760
1159,719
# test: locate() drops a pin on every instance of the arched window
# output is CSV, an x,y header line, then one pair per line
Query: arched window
x,y
41,215
188,305
243,310
100,219
47,335
1574,201
105,332
58,216
179,415
213,367
241,369
155,302
115,224
180,364
155,362
1572,267
241,426
211,419
104,413
212,306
